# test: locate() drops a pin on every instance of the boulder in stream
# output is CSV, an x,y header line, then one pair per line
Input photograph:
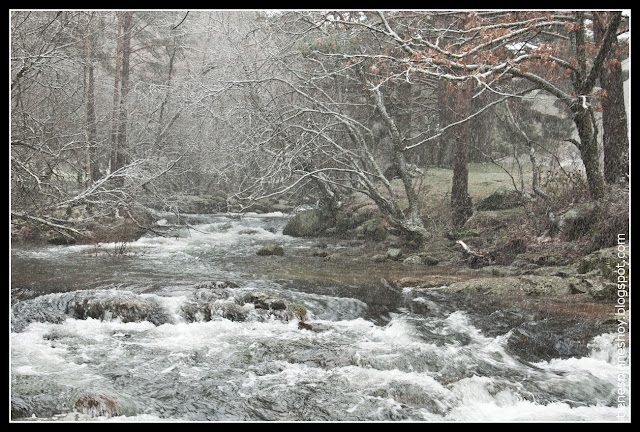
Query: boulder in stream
x,y
271,249
97,405
268,306
128,308
262,300
307,223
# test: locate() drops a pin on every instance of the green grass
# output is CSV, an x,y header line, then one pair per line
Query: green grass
x,y
483,179
434,189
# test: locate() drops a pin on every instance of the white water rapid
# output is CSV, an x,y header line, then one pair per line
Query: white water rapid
x,y
160,332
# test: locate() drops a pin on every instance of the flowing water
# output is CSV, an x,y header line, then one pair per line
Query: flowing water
x,y
156,330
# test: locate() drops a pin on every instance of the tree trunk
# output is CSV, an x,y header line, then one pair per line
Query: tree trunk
x,y
460,200
445,116
588,146
116,98
92,169
615,140
121,156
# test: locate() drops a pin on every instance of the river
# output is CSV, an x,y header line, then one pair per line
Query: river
x,y
156,330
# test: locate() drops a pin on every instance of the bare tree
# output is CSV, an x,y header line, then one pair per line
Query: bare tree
x,y
58,129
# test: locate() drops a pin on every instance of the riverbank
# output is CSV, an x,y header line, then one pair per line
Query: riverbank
x,y
498,253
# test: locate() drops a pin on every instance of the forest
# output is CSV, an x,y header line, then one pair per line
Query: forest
x,y
115,112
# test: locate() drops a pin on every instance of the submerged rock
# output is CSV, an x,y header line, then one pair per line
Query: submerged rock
x,y
127,309
271,249
97,405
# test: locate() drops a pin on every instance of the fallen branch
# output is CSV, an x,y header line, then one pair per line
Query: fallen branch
x,y
474,259
468,250
57,227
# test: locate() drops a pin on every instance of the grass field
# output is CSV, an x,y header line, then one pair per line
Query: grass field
x,y
483,179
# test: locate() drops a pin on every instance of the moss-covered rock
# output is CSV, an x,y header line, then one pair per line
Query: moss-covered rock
x,y
500,199
394,254
578,221
307,223
298,310
271,249
374,229
609,263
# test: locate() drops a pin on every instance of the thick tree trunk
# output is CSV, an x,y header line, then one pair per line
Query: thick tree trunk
x,y
445,116
119,131
588,147
116,98
121,158
460,200
92,169
615,140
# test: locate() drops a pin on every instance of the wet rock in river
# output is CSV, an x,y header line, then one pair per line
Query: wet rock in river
x,y
304,326
96,304
201,312
263,300
128,309
97,405
319,253
552,337
268,306
218,285
271,250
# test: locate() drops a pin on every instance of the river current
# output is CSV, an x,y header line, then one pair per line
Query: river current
x,y
156,330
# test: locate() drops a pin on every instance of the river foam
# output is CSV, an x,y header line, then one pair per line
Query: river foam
x,y
147,334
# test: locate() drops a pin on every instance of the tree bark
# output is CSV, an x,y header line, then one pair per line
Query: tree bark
x,y
124,88
615,138
460,200
116,98
445,116
588,146
410,224
92,169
